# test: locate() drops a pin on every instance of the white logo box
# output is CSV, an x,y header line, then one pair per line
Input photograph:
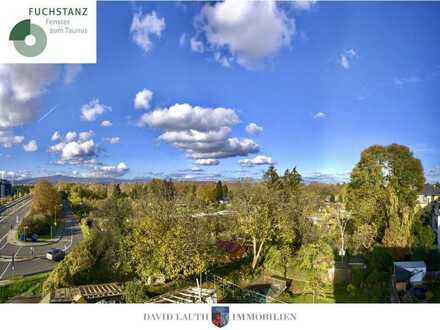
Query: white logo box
x,y
69,26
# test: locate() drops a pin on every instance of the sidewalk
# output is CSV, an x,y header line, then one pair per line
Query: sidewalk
x,y
13,240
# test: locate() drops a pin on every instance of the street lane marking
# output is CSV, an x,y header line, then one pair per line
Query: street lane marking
x,y
6,235
10,263
6,269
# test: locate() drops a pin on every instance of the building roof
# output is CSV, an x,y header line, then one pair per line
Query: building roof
x,y
410,264
92,292
227,246
431,190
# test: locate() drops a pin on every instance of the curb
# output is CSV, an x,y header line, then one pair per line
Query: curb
x,y
20,259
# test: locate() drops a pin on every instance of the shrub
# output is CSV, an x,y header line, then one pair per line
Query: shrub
x,y
35,224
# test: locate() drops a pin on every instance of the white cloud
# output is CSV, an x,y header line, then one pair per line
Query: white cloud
x,y
111,171
70,72
229,148
70,136
31,146
78,152
113,140
254,129
319,115
258,160
20,87
203,133
93,109
304,4
57,147
190,136
76,148
7,139
11,175
106,123
247,31
143,26
56,136
184,117
196,45
207,162
346,57
86,135
142,99
327,177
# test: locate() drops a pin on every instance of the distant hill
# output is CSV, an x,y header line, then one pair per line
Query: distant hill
x,y
73,179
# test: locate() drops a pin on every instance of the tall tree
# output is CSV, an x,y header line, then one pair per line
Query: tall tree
x,y
382,194
45,198
256,221
219,195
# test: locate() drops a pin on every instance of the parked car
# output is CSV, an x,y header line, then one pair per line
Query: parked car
x,y
55,254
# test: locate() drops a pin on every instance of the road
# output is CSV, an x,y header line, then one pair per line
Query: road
x,y
28,261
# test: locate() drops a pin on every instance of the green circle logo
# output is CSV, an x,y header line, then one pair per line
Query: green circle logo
x,y
24,29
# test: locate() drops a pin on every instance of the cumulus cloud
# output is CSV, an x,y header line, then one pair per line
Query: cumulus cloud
x,y
70,136
78,152
254,129
229,148
191,136
319,115
93,109
113,140
258,160
110,171
76,148
196,45
144,26
7,139
243,31
56,136
20,87
346,58
203,133
142,99
184,117
31,146
207,162
70,72
106,123
86,135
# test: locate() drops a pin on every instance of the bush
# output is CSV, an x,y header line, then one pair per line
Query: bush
x,y
134,292
35,224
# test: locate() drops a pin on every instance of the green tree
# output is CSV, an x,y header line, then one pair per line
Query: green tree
x,y
219,194
165,241
382,195
271,178
45,199
316,258
256,220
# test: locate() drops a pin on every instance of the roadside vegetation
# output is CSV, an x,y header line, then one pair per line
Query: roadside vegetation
x,y
24,287
46,209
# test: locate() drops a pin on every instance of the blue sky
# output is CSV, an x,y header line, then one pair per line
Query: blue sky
x,y
320,81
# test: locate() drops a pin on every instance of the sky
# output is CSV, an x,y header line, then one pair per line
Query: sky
x,y
222,90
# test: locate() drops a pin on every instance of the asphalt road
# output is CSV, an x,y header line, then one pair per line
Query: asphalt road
x,y
26,261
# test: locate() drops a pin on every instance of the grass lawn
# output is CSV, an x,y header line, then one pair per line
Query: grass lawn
x,y
28,286
304,298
